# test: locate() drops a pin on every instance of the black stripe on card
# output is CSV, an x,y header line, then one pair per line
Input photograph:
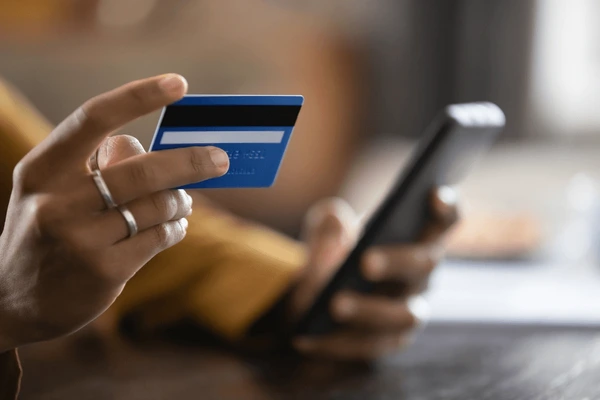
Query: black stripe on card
x,y
193,115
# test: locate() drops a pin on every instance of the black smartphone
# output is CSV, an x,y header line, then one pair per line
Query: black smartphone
x,y
450,147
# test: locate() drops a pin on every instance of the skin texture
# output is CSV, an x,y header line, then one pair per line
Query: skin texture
x,y
64,257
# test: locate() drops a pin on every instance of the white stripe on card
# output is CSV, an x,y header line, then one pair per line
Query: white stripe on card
x,y
208,137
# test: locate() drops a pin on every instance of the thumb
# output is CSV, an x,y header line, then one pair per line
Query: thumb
x,y
329,231
329,227
115,149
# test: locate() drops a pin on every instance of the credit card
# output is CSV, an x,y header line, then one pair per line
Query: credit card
x,y
254,130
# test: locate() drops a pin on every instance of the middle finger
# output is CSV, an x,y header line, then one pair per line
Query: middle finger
x,y
409,264
373,313
168,205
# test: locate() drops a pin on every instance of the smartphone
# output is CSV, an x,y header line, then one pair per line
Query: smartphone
x,y
449,148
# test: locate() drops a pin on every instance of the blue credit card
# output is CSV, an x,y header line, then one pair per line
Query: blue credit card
x,y
253,130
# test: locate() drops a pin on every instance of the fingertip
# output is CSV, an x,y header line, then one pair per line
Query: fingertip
x,y
173,84
420,310
447,195
445,204
184,224
118,148
190,203
220,159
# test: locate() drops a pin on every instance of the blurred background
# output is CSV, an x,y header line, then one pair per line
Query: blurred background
x,y
373,74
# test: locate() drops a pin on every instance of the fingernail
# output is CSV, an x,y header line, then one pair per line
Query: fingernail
x,y
172,83
345,307
376,264
184,222
304,343
448,195
420,308
219,157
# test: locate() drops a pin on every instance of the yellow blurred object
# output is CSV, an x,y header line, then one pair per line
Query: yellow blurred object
x,y
32,17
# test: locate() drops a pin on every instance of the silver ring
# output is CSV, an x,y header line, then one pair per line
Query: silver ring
x,y
103,189
94,160
129,219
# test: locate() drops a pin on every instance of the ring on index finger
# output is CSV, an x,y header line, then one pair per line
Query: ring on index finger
x,y
94,160
103,189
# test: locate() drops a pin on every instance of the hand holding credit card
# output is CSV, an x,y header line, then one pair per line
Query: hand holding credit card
x,y
254,130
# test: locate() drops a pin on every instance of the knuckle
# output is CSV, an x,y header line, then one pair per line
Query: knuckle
x,y
161,235
168,234
47,217
181,203
199,160
90,116
141,173
140,95
165,204
24,178
20,172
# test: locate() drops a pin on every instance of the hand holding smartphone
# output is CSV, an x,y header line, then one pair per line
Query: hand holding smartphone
x,y
448,150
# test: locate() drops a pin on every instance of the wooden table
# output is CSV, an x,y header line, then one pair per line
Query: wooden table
x,y
447,362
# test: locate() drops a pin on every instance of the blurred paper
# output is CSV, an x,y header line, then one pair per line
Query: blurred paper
x,y
515,293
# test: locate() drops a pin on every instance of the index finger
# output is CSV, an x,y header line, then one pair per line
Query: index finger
x,y
77,137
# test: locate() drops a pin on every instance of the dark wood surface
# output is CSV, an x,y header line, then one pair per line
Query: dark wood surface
x,y
447,362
